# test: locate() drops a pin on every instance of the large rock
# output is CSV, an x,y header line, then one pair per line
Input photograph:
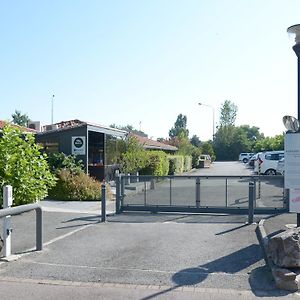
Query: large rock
x,y
284,248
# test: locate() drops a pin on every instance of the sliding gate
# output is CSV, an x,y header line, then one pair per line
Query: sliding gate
x,y
201,194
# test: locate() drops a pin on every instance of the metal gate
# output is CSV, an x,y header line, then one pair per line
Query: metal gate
x,y
201,194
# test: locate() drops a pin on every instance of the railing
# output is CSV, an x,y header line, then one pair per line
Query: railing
x,y
201,193
39,221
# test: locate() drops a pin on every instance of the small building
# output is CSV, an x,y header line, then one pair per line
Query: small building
x,y
88,141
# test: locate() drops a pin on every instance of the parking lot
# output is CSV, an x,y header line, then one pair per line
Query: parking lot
x,y
139,256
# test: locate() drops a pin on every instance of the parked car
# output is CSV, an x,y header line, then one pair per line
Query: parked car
x,y
252,159
266,162
280,167
245,156
204,161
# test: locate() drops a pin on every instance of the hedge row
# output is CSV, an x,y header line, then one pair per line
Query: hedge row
x,y
157,164
179,164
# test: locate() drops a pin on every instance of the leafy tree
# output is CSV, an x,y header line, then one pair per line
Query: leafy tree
x,y
207,148
228,113
195,141
135,157
20,119
179,127
270,143
130,128
24,167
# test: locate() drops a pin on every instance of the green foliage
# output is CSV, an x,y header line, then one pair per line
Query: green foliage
x,y
20,119
114,149
60,161
157,164
195,156
176,164
270,143
71,186
187,163
179,127
24,167
195,141
135,157
228,114
207,148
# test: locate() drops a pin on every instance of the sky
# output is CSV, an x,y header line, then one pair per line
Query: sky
x,y
145,62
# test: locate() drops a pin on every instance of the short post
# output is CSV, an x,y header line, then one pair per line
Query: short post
x,y
39,229
198,192
251,203
7,202
103,202
118,194
137,177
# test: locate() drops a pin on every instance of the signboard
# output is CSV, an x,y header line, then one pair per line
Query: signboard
x,y
292,161
295,200
78,145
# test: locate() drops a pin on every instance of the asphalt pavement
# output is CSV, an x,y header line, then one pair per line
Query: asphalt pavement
x,y
138,256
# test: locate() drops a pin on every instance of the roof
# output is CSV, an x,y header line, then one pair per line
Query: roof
x,y
22,128
153,145
70,124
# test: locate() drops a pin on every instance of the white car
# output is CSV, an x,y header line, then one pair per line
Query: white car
x,y
245,156
280,167
266,162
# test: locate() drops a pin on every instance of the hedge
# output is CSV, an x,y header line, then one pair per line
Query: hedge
x,y
157,164
187,163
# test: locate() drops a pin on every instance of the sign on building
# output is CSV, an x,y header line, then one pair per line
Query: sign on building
x,y
78,145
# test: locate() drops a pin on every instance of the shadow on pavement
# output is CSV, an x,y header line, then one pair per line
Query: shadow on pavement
x,y
230,264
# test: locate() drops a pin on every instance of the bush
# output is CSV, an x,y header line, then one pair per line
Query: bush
x,y
24,167
176,163
157,164
60,161
75,187
187,163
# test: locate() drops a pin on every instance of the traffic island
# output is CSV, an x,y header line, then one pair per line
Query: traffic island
x,y
282,255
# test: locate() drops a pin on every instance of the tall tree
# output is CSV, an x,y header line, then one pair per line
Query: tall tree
x,y
179,127
20,119
195,141
228,113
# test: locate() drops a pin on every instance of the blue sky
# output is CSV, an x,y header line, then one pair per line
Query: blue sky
x,y
127,62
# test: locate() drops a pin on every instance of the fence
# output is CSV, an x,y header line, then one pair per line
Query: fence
x,y
223,194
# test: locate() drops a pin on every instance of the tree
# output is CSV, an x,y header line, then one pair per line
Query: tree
x,y
179,127
20,119
130,129
195,141
207,148
228,113
23,166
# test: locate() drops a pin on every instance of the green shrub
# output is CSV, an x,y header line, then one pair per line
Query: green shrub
x,y
187,163
60,161
75,187
176,163
135,157
157,164
23,166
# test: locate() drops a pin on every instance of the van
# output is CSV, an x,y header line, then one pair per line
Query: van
x,y
245,156
266,162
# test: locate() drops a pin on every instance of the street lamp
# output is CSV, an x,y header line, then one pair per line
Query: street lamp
x,y
294,31
52,100
213,111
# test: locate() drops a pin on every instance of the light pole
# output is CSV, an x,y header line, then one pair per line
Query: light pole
x,y
213,111
52,100
295,32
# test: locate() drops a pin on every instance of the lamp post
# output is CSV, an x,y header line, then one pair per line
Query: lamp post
x,y
213,111
52,100
295,32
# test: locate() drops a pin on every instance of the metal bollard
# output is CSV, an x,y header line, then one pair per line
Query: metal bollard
x,y
118,194
251,202
103,203
7,202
